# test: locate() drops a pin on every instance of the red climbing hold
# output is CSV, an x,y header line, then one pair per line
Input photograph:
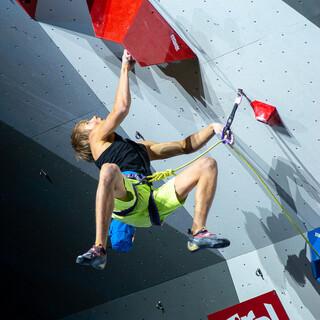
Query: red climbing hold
x,y
265,113
140,28
112,19
29,6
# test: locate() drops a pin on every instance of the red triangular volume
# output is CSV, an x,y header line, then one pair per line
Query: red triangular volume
x,y
112,19
140,28
151,40
265,113
30,6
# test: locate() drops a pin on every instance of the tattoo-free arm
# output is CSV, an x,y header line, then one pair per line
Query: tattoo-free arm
x,y
190,144
122,101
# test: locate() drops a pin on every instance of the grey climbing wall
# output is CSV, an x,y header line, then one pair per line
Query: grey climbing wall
x,y
48,220
54,72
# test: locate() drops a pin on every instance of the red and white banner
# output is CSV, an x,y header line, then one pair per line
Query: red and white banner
x,y
265,307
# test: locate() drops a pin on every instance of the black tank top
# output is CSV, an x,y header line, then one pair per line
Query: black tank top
x,y
127,154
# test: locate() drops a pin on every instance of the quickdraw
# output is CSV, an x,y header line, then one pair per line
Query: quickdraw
x,y
227,138
226,133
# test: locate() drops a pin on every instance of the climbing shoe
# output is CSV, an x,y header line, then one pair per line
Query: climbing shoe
x,y
206,239
96,257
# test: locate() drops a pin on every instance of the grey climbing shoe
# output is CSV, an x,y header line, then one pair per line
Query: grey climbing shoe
x,y
206,239
96,257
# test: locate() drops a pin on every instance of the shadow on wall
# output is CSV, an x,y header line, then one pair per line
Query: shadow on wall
x,y
284,173
300,270
182,76
187,78
308,216
268,226
282,129
187,74
310,9
298,267
277,228
297,189
47,224
191,81
303,175
114,63
202,95
70,15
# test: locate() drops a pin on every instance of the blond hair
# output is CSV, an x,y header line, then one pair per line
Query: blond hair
x,y
80,141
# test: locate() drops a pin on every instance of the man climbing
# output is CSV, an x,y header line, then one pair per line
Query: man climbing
x,y
124,194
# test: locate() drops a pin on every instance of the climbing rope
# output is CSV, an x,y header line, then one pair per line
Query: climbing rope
x,y
274,198
161,175
227,138
157,176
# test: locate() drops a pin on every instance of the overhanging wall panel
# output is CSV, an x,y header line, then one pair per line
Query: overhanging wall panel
x,y
250,57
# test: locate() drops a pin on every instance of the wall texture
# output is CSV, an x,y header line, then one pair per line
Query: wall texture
x,y
54,72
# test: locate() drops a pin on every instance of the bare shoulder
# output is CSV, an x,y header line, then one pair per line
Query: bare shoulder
x,y
98,145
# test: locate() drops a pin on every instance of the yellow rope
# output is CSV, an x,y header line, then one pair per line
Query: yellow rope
x,y
273,197
157,176
161,175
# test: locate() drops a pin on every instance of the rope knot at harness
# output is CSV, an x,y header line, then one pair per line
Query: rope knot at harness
x,y
157,176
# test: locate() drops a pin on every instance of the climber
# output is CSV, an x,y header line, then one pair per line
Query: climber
x,y
123,192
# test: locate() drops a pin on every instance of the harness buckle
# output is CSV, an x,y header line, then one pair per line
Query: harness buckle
x,y
136,176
